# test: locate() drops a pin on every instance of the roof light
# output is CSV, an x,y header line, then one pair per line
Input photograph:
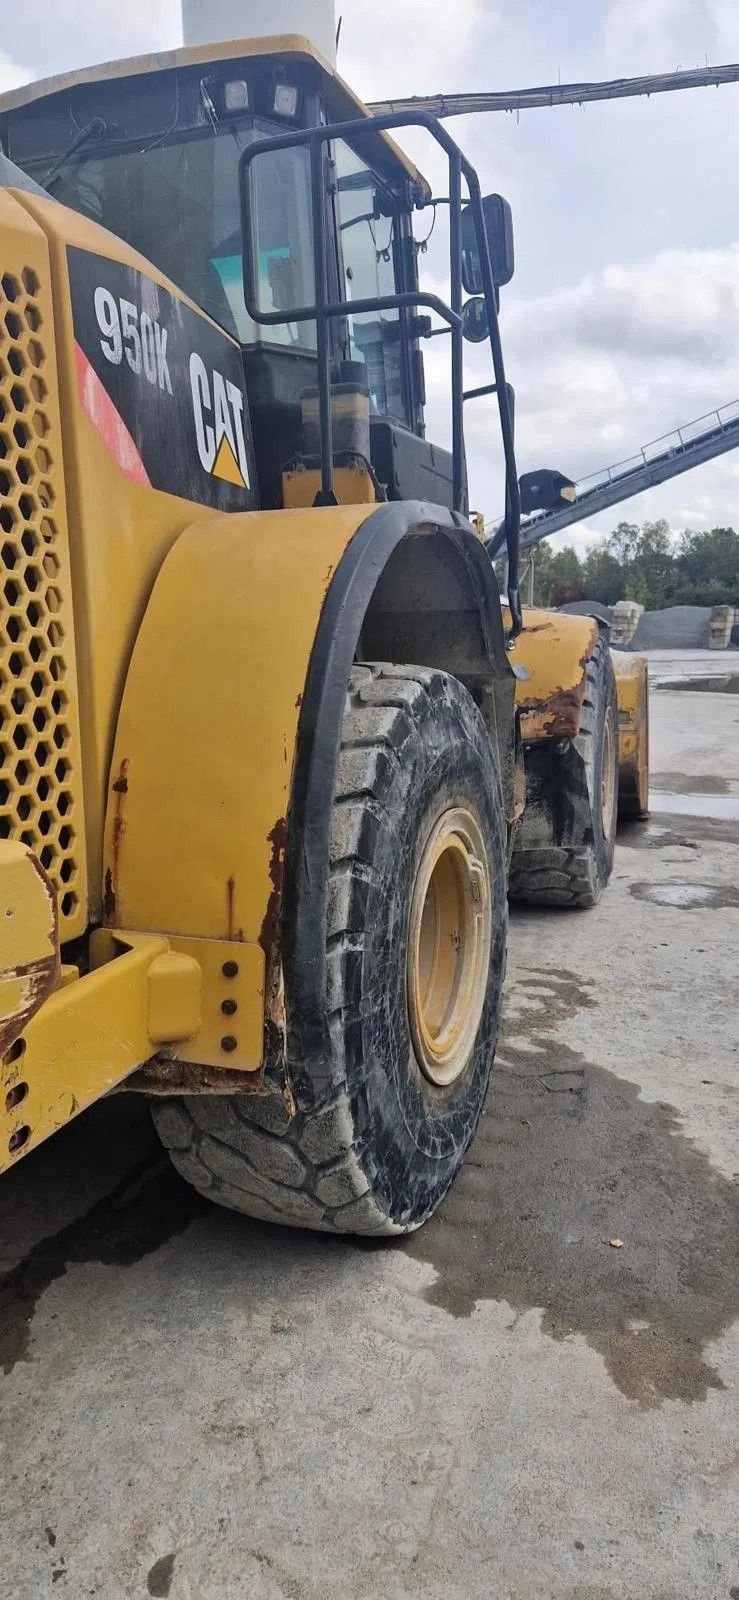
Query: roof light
x,y
286,100
236,95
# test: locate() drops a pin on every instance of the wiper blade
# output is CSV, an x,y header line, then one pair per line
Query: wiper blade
x,y
94,129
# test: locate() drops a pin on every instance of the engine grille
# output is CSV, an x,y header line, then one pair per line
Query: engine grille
x,y
38,710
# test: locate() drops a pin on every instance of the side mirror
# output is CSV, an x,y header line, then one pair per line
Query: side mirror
x,y
498,220
545,490
475,323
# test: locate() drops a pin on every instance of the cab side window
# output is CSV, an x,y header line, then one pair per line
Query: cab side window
x,y
368,256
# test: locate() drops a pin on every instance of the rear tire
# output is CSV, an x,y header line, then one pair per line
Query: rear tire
x,y
415,953
564,844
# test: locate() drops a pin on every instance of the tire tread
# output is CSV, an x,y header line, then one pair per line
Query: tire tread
x,y
238,1167
532,870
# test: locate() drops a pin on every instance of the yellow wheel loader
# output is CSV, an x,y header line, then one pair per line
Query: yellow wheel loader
x,y
272,751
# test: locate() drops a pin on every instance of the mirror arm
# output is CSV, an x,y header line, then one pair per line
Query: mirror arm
x,y
512,497
459,463
323,337
476,394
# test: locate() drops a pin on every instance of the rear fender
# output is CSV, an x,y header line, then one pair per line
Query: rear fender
x,y
554,648
220,790
632,690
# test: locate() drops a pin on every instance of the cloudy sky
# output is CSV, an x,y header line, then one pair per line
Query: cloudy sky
x,y
622,321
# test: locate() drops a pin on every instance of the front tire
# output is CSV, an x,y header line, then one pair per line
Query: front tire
x,y
564,844
415,953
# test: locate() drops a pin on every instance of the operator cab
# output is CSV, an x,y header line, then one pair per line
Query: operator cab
x,y
220,164
150,149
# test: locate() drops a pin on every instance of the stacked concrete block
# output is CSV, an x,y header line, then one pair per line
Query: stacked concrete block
x,y
626,615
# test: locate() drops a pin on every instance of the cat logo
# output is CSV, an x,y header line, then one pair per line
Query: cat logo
x,y
218,407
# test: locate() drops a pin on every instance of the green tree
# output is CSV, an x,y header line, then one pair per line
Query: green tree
x,y
558,576
644,563
604,576
651,566
707,568
623,542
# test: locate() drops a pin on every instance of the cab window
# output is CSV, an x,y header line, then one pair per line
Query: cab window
x,y
368,256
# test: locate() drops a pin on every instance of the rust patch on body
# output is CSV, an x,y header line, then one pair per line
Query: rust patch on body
x,y
110,888
269,932
162,1077
269,939
39,978
556,715
108,899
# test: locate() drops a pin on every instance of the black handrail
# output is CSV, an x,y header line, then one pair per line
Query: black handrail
x,y
324,309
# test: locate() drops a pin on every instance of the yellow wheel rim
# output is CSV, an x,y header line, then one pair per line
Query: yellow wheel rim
x,y
449,946
608,775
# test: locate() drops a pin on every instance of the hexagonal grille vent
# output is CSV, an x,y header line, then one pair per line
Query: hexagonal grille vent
x,y
37,799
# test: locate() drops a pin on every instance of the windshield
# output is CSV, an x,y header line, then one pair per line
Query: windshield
x,y
178,203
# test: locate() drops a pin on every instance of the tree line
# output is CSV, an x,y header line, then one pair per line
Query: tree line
x,y
648,563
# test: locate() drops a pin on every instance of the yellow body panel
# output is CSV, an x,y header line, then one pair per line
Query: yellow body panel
x,y
353,486
232,1004
632,689
123,530
554,648
41,800
195,837
88,1036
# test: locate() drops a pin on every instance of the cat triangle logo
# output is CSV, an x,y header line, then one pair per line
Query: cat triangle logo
x,y
226,466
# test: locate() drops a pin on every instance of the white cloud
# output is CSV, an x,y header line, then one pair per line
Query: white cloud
x,y
678,305
12,76
725,18
128,29
626,355
645,26
403,47
604,367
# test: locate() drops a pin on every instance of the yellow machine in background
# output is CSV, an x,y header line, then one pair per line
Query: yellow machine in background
x,y
262,772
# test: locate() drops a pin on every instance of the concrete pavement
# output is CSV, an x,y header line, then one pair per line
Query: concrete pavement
x,y
505,1406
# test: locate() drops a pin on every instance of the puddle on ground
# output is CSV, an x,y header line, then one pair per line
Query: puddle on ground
x,y
149,1206
721,807
568,1157
159,1577
688,783
686,896
657,834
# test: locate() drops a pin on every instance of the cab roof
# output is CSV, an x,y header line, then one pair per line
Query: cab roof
x,y
341,101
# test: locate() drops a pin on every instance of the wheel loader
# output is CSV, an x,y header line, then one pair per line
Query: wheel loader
x,y
274,754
